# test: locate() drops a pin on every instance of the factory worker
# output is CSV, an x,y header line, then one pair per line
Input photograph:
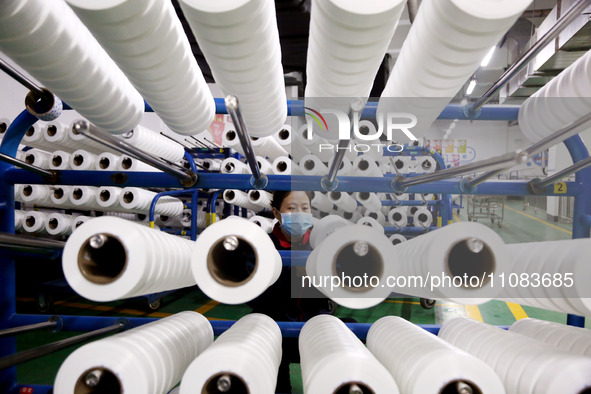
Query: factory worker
x,y
293,212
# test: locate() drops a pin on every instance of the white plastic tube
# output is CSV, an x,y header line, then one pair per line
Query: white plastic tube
x,y
235,261
561,101
138,200
84,197
422,218
343,200
240,198
265,223
445,46
420,362
107,161
366,167
268,147
284,166
321,202
312,165
240,42
108,198
567,256
261,198
83,160
397,238
525,366
35,222
333,360
109,258
19,218
233,166
37,157
371,201
59,224
575,340
353,252
34,194
154,143
348,41
148,43
149,359
453,251
44,38
59,160
264,165
398,217
247,356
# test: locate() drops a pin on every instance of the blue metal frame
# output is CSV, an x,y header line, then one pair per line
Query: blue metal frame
x,y
580,189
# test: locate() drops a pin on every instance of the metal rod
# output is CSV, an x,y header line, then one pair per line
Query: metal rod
x,y
539,184
31,354
355,109
495,163
413,9
20,78
30,244
234,110
53,322
472,182
527,57
566,132
26,166
94,133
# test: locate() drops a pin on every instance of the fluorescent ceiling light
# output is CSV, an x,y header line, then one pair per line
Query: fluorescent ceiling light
x,y
471,87
488,57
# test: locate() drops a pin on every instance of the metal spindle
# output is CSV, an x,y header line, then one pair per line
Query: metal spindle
x,y
537,185
53,323
27,166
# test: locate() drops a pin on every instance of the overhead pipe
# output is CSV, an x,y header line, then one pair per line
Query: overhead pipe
x,y
551,34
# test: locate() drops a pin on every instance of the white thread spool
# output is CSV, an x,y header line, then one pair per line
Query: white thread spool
x,y
523,364
566,256
157,61
284,166
312,165
371,222
458,249
60,196
60,160
37,158
139,200
391,337
212,164
119,361
265,223
107,162
411,210
401,196
343,200
376,215
186,219
109,258
84,197
155,144
398,217
267,147
54,35
19,218
230,140
321,202
35,194
325,227
334,359
264,166
246,358
34,138
240,198
345,168
261,198
369,200
76,141
291,143
397,238
352,217
426,164
235,261
83,160
79,221
59,224
34,222
575,340
233,166
253,72
127,163
354,252
366,167
422,218
56,134
313,144
4,125
108,198
122,215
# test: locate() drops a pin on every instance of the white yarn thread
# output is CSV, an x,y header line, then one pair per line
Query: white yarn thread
x,y
138,200
122,215
265,223
268,147
60,160
4,125
575,340
325,227
249,353
398,217
34,138
37,157
321,202
397,238
127,163
140,260
212,164
369,200
54,35
333,357
284,166
403,347
79,221
233,166
366,167
155,144
34,194
158,352
240,42
312,165
524,365
230,140
84,197
19,218
241,199
291,143
261,198
34,222
370,222
376,215
63,137
422,218
83,160
264,165
59,224
108,198
343,200
107,161
60,196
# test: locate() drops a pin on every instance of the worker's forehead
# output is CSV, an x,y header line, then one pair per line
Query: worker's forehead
x,y
297,197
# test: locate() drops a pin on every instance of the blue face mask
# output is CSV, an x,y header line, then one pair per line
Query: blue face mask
x,y
296,223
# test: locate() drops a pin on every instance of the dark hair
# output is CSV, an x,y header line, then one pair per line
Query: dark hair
x,y
280,195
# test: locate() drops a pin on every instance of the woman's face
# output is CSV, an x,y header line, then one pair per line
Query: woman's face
x,y
296,202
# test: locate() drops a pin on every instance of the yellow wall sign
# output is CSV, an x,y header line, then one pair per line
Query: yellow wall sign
x,y
560,188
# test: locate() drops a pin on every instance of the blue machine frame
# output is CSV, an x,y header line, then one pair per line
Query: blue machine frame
x,y
580,189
